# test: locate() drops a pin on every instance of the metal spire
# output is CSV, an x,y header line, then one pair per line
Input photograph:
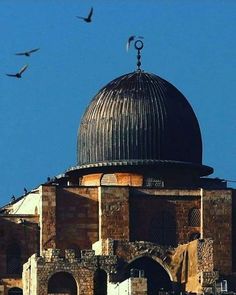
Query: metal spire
x,y
138,46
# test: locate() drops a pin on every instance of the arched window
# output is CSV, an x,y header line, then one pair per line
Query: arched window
x,y
194,217
13,255
15,291
163,229
108,179
100,282
62,282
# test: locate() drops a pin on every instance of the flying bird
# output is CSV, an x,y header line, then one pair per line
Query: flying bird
x,y
18,75
87,19
131,39
27,53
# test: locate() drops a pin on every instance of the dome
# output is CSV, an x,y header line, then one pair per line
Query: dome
x,y
140,119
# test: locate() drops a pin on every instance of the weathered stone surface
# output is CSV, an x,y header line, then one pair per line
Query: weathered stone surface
x,y
119,219
38,270
217,225
114,213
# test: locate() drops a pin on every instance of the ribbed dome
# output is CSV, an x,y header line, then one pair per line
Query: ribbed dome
x,y
139,119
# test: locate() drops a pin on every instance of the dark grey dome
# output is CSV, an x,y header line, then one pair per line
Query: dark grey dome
x,y
140,119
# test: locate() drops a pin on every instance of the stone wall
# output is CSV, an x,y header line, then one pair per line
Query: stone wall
x,y
77,217
8,283
69,217
134,286
114,213
234,232
48,218
217,225
138,286
39,269
147,205
189,264
21,230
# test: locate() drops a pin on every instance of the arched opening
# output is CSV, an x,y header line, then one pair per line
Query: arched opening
x,y
62,283
100,282
157,277
13,255
15,291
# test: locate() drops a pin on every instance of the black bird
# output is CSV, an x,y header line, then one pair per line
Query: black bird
x,y
18,75
131,38
27,53
87,19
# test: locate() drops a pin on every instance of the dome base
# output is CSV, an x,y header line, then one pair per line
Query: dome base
x,y
161,168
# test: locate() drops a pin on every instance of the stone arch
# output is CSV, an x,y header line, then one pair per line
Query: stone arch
x,y
157,259
15,291
100,282
158,276
108,179
62,282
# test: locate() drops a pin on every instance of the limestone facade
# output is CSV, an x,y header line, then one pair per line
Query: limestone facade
x,y
119,229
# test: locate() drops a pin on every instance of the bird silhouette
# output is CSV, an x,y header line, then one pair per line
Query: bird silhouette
x,y
18,75
131,39
27,53
87,19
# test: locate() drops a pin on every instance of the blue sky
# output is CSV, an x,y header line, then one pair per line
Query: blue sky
x,y
191,44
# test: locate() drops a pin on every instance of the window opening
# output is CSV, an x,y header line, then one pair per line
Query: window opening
x,y
194,217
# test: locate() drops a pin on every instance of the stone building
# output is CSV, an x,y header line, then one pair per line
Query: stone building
x,y
136,215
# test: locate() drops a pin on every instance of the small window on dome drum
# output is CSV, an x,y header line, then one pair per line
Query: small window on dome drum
x,y
108,179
